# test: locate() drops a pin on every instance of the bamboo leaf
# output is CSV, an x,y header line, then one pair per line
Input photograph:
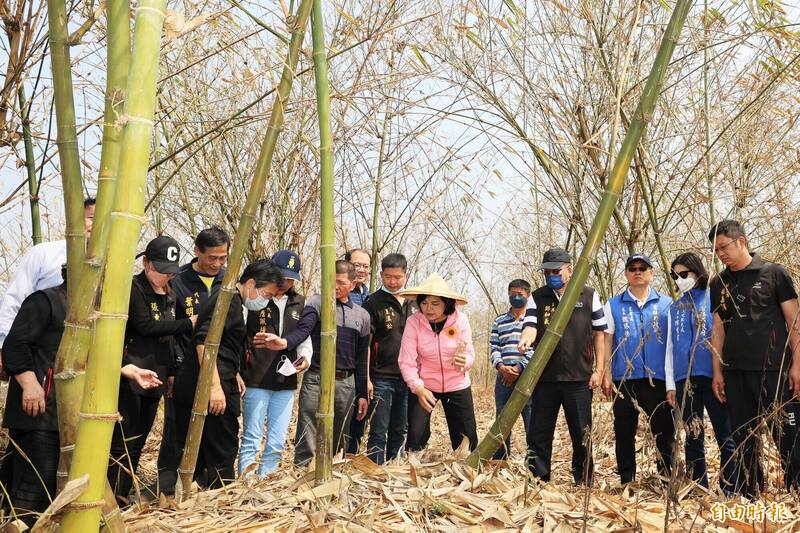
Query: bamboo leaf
x,y
420,58
500,22
475,39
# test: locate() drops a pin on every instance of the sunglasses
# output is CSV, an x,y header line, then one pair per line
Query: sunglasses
x,y
638,269
683,275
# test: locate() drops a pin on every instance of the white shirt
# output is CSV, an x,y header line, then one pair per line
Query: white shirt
x,y
39,268
669,370
304,349
610,317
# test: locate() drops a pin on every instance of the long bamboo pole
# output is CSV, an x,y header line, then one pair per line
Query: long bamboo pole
x,y
642,116
243,231
387,120
73,352
99,404
30,166
67,141
324,445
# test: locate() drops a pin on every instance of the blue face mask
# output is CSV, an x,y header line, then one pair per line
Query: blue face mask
x,y
517,301
256,304
554,281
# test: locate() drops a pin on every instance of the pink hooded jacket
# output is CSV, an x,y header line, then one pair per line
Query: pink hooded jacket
x,y
427,358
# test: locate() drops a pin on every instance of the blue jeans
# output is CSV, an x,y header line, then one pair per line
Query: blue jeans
x,y
389,418
275,408
701,396
501,397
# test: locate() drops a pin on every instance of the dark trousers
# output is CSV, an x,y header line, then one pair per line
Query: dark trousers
x,y
389,422
28,472
219,444
699,397
548,398
502,394
652,400
751,402
355,433
459,413
130,434
307,407
169,453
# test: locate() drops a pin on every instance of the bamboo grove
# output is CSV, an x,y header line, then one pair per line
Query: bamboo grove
x,y
386,178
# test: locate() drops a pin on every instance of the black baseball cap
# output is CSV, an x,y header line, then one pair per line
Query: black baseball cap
x,y
638,257
555,258
289,263
165,253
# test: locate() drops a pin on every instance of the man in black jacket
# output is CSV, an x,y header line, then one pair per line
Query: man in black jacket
x,y
192,287
29,466
149,346
388,313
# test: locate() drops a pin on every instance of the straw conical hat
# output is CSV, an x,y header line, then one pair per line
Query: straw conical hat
x,y
435,285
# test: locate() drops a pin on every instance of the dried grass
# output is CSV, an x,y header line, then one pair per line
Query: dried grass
x,y
434,491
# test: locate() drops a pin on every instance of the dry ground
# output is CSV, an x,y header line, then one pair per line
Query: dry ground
x,y
433,491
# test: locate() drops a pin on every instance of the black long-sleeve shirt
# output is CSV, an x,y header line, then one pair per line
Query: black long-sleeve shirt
x,y
150,333
31,346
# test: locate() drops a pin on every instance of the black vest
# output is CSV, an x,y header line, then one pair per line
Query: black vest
x,y
572,358
260,366
44,356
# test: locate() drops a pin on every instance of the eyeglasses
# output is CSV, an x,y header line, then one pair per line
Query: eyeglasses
x,y
683,275
361,266
719,249
633,269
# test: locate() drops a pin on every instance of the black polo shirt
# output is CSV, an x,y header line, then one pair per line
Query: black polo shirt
x,y
748,302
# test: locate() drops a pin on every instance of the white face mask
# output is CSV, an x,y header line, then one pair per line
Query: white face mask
x,y
686,284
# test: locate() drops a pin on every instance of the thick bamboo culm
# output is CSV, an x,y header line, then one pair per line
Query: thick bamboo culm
x,y
323,457
73,351
67,140
99,405
642,116
242,237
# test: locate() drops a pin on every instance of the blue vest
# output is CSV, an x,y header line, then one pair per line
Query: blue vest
x,y
691,334
640,336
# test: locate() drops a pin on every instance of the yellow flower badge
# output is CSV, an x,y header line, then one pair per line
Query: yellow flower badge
x,y
451,332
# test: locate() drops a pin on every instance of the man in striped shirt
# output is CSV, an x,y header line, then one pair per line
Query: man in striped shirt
x,y
570,376
505,354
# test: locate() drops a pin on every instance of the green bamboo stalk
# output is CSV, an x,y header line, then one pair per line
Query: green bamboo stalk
x,y
243,231
324,445
67,141
644,112
387,120
643,182
99,406
73,352
30,167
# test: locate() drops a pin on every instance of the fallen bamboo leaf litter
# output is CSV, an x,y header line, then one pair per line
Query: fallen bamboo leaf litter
x,y
434,491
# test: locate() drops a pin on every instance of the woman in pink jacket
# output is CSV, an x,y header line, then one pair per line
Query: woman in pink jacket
x,y
435,357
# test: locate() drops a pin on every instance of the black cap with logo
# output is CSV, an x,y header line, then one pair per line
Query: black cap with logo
x,y
164,253
555,258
